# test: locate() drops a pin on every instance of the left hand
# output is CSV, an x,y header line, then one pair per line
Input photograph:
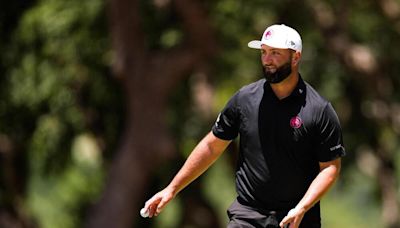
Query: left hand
x,y
293,218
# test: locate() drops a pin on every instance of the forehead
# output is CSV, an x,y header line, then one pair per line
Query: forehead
x,y
268,48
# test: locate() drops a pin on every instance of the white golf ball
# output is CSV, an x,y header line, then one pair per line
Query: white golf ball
x,y
144,213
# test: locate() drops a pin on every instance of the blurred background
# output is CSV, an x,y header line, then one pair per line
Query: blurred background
x,y
102,101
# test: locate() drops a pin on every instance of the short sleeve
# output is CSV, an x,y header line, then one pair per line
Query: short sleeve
x,y
226,126
329,136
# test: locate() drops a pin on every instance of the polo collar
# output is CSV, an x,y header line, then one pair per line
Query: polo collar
x,y
298,91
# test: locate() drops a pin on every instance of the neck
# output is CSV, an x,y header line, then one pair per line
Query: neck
x,y
284,88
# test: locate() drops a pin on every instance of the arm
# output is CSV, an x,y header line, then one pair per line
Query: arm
x,y
329,172
203,155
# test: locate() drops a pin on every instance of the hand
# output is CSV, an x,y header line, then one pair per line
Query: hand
x,y
293,218
156,204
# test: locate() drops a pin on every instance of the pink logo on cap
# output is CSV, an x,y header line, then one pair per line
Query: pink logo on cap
x,y
296,122
268,34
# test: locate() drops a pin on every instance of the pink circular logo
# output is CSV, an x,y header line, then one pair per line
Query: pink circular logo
x,y
296,122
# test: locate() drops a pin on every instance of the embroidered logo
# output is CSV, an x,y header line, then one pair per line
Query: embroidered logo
x,y
296,122
268,34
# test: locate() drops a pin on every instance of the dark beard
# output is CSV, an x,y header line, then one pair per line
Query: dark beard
x,y
280,74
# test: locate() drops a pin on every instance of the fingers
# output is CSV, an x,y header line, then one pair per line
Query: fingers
x,y
156,204
286,222
291,220
151,205
161,205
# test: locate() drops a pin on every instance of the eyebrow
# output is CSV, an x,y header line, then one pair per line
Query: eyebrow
x,y
278,49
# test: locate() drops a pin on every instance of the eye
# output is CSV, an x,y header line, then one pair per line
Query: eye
x,y
275,52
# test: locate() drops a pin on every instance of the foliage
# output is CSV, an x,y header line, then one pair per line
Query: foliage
x,y
63,111
60,104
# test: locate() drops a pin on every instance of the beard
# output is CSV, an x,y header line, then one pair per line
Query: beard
x,y
280,73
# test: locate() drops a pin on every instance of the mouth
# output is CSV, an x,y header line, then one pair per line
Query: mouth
x,y
270,69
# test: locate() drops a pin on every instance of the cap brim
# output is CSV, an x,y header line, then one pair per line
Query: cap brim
x,y
256,44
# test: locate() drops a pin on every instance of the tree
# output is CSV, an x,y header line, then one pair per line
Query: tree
x,y
53,88
90,89
148,78
368,73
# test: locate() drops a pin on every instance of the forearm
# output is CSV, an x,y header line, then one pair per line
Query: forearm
x,y
329,172
321,184
204,154
200,159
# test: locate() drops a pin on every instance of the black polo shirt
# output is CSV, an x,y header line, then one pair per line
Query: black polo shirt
x,y
281,142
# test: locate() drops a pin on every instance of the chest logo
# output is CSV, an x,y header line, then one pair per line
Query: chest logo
x,y
296,122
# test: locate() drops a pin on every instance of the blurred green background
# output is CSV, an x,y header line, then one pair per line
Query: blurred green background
x,y
102,101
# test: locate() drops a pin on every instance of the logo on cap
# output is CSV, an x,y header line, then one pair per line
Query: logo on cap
x,y
296,122
291,44
268,34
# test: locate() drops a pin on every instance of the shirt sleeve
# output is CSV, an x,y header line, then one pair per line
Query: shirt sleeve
x,y
329,135
226,126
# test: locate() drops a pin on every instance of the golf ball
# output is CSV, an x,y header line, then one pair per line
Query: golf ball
x,y
144,213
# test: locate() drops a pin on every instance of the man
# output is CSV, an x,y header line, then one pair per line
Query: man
x,y
290,143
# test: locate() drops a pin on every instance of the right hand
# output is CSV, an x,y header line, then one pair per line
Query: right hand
x,y
156,204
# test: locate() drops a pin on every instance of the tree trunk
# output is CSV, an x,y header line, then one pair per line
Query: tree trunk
x,y
147,80
12,181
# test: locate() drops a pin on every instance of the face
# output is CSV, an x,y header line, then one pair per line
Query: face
x,y
277,63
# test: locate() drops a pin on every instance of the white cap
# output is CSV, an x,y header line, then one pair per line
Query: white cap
x,y
279,36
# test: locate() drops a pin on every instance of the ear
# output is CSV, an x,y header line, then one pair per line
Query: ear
x,y
296,58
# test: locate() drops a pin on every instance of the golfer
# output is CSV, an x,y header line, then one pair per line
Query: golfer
x,y
290,143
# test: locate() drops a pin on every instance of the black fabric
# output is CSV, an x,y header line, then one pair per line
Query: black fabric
x,y
281,142
242,216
